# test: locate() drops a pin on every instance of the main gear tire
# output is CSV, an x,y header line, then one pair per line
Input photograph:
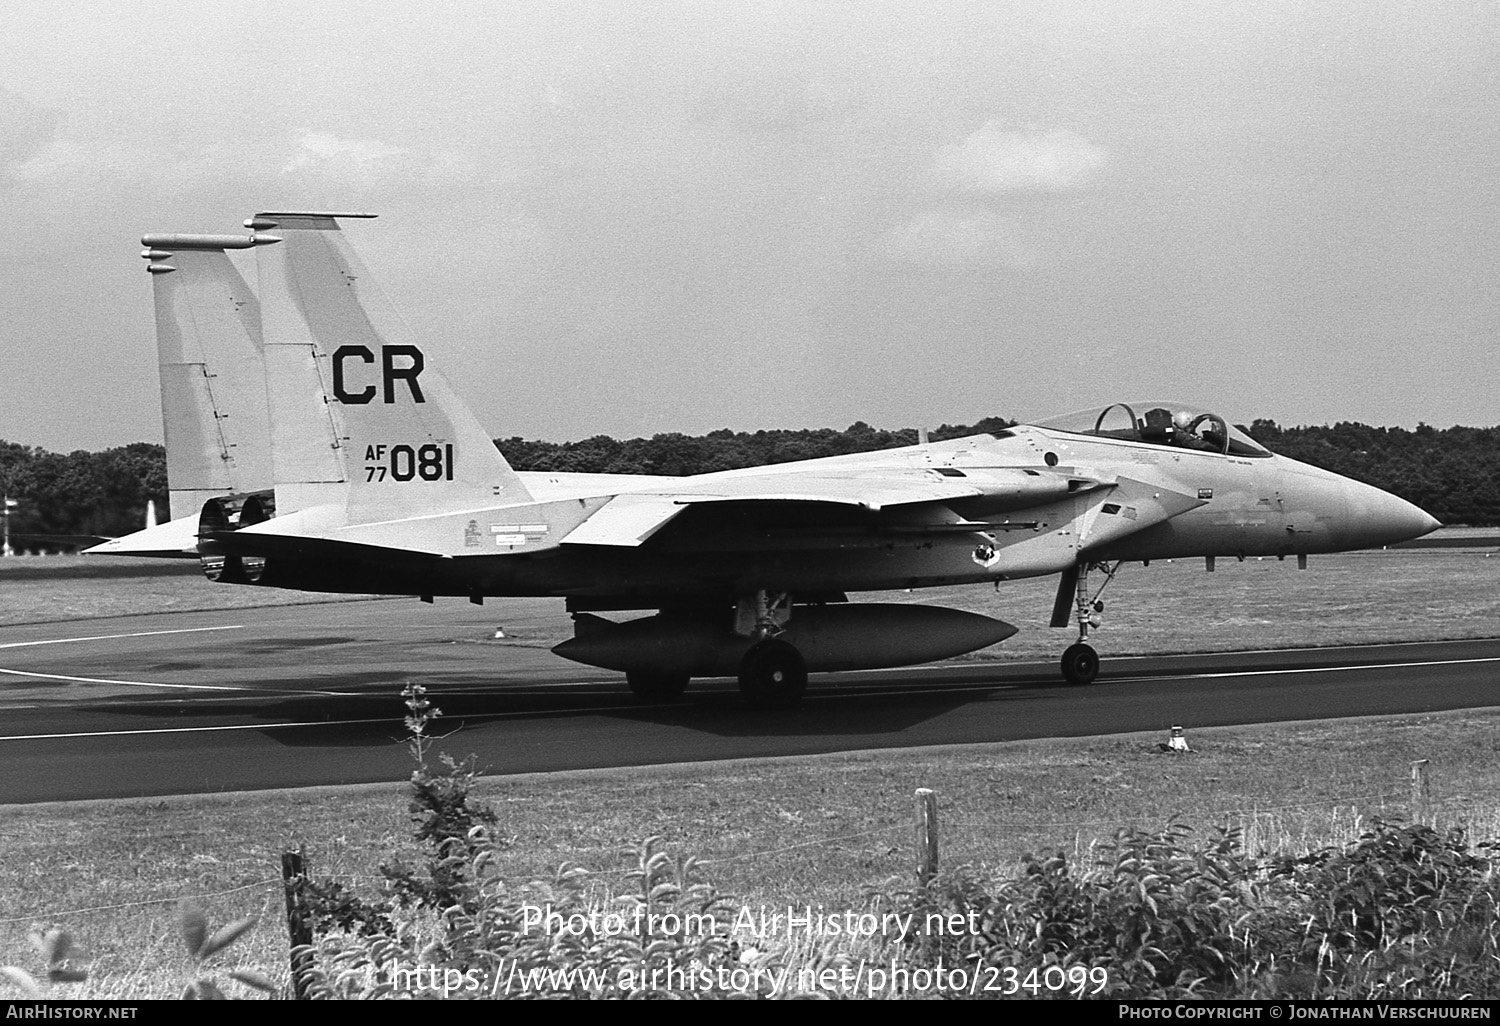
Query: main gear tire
x,y
773,675
1080,664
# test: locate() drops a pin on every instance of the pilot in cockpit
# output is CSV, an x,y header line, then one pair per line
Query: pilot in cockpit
x,y
1157,427
1195,432
1164,427
1182,427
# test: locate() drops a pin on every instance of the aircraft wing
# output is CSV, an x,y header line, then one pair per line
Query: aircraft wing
x,y
865,491
632,517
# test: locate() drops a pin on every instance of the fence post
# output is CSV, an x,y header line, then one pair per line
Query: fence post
x,y
299,930
927,835
1420,792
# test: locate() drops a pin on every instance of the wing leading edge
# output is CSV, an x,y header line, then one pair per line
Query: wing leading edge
x,y
925,502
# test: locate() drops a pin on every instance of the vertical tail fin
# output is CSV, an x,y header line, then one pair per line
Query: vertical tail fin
x,y
213,395
360,414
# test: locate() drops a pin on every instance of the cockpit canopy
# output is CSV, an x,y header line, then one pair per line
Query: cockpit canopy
x,y
1171,424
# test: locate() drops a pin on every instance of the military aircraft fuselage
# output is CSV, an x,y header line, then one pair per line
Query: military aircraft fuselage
x,y
1110,499
1265,505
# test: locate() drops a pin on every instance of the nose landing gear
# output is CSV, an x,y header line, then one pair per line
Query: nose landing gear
x,y
1080,663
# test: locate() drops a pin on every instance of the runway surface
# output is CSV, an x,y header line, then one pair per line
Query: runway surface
x,y
304,695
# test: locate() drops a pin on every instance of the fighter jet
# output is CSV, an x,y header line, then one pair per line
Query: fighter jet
x,y
382,481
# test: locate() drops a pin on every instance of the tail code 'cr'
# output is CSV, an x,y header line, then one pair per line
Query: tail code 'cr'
x,y
359,411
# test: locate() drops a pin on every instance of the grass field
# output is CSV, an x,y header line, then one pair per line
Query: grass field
x,y
808,831
37,589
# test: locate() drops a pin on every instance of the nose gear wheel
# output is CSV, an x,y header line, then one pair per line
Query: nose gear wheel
x,y
1080,664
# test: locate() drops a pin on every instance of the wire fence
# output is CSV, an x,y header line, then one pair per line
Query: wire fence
x,y
959,831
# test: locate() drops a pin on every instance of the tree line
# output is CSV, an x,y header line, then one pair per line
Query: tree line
x,y
82,493
718,450
1452,473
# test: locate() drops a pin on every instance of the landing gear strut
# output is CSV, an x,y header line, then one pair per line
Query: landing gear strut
x,y
1080,663
773,674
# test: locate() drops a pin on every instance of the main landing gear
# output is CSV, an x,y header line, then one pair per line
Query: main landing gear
x,y
773,674
1080,663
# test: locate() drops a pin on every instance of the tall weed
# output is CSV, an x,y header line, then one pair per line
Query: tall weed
x,y
1402,912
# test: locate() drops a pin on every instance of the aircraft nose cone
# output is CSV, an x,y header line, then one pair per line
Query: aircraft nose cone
x,y
1381,518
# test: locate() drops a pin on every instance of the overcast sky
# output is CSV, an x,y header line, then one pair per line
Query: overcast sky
x,y
627,218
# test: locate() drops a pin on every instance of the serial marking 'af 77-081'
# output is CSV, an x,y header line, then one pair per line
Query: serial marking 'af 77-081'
x,y
362,471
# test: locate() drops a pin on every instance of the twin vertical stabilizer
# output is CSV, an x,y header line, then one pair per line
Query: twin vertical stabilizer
x,y
213,396
315,387
360,415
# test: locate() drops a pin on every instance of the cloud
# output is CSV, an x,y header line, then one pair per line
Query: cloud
x,y
995,200
995,161
769,102
965,237
360,162
25,129
280,161
62,164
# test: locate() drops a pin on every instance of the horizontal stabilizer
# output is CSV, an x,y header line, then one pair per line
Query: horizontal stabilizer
x,y
176,539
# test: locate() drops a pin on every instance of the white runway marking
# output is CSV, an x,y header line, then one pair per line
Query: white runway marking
x,y
148,683
193,730
393,720
983,685
1330,669
112,637
183,687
